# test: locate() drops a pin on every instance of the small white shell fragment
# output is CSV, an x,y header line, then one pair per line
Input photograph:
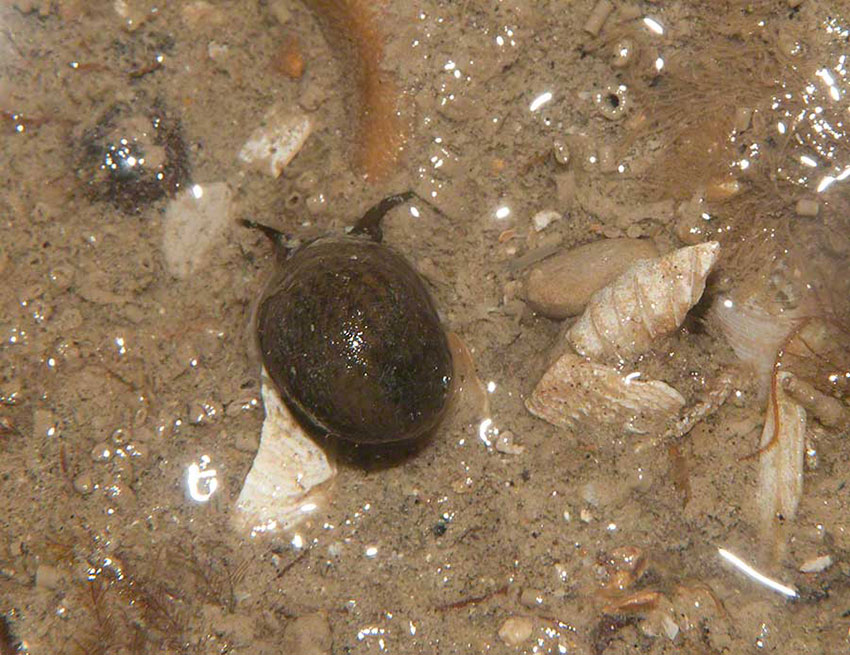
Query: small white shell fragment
x,y
288,477
816,564
646,302
782,447
194,221
807,207
671,629
516,630
576,392
542,219
275,143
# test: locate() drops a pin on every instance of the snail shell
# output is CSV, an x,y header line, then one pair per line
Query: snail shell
x,y
351,338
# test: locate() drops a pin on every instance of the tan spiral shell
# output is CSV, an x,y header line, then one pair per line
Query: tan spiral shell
x,y
649,300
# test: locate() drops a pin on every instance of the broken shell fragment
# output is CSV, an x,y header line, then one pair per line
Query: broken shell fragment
x,y
276,142
576,392
562,285
782,454
194,221
646,302
754,333
288,477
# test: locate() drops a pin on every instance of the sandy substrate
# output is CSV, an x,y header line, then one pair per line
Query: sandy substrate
x,y
128,381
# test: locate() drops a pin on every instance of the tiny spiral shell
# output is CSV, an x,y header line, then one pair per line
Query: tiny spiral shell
x,y
649,300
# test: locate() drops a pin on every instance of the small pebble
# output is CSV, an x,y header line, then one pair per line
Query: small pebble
x,y
561,152
246,443
44,424
61,276
83,484
280,10
691,226
816,564
47,577
101,452
622,53
505,444
516,630
607,159
532,598
634,231
807,207
743,115
561,285
316,203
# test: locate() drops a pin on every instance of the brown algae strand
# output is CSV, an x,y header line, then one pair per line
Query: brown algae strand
x,y
352,29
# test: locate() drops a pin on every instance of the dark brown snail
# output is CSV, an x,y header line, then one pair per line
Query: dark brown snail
x,y
349,334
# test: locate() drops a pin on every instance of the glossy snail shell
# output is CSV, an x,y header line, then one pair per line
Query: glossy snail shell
x,y
351,338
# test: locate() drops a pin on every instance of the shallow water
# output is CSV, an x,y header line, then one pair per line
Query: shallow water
x,y
127,366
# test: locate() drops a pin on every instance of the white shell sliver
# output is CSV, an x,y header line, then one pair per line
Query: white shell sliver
x,y
648,301
783,446
575,392
276,142
287,480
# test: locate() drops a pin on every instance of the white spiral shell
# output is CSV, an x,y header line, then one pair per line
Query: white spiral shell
x,y
649,300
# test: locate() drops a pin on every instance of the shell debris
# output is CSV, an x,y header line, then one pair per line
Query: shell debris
x,y
576,391
275,143
650,299
754,333
646,302
289,476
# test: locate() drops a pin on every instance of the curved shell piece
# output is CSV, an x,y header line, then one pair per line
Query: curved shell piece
x,y
288,477
576,392
783,444
647,301
755,334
